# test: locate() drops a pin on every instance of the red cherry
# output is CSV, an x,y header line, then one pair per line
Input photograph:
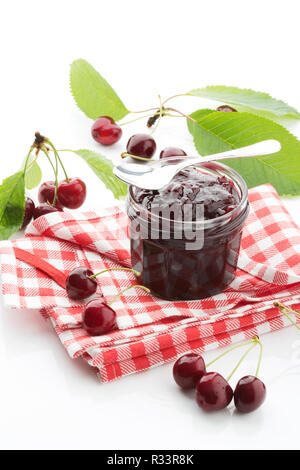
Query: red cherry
x,y
46,194
79,285
213,392
72,193
106,131
249,394
98,318
141,145
28,212
188,369
44,209
227,109
171,152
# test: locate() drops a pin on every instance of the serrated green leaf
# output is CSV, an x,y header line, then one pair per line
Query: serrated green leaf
x,y
104,170
12,203
93,95
216,132
256,100
33,176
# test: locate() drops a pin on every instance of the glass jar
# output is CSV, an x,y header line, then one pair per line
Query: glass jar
x,y
174,267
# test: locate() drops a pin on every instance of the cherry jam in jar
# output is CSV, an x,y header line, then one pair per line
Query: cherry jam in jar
x,y
185,238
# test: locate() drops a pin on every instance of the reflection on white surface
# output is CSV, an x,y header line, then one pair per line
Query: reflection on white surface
x,y
43,388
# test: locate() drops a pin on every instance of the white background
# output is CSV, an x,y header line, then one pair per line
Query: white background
x,y
142,48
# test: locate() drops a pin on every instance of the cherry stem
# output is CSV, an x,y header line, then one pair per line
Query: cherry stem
x,y
283,309
160,115
173,115
163,103
174,96
127,288
260,356
143,117
162,110
59,159
55,173
137,119
143,111
49,159
27,159
228,351
182,114
241,360
33,161
137,273
125,154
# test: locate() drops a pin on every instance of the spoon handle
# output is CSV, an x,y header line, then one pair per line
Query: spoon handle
x,y
265,147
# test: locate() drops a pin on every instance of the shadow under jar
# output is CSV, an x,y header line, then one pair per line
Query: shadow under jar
x,y
185,238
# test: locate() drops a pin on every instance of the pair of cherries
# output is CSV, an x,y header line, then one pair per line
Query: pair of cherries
x,y
213,391
70,194
144,146
98,316
107,132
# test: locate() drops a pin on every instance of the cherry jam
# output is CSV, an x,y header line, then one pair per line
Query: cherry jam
x,y
185,238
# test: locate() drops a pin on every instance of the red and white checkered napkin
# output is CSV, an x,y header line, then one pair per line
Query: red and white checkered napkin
x,y
152,331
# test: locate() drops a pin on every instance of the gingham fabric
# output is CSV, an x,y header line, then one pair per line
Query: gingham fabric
x,y
152,331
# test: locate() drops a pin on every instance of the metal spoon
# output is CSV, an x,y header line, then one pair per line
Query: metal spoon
x,y
157,174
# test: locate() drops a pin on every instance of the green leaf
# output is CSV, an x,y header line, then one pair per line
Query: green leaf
x,y
256,100
12,203
104,170
93,95
215,132
33,176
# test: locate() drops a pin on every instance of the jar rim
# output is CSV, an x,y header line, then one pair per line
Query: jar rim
x,y
231,174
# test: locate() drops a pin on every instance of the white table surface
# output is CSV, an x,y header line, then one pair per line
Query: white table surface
x,y
47,400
